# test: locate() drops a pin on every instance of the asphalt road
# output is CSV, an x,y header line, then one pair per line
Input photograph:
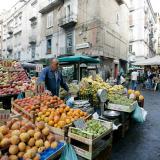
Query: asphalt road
x,y
142,141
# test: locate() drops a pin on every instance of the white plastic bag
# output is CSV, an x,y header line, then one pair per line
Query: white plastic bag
x,y
122,79
70,102
95,115
144,113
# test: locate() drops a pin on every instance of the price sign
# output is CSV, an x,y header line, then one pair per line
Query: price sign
x,y
80,123
4,114
40,88
39,67
29,93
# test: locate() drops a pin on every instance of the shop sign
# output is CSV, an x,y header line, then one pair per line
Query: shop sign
x,y
82,46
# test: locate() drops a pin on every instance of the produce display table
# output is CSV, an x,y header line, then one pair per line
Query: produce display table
x,y
122,108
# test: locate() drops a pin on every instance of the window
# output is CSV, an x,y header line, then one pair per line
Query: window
x,y
34,2
50,1
20,19
16,21
69,42
33,50
130,48
49,45
68,10
50,20
19,55
117,19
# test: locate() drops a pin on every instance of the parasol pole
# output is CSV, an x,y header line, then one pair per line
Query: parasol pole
x,y
79,71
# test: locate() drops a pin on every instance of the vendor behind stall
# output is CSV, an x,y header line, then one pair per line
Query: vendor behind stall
x,y
53,78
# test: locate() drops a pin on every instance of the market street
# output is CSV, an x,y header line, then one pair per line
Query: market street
x,y
142,142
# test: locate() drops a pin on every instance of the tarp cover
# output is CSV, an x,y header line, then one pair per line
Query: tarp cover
x,y
150,61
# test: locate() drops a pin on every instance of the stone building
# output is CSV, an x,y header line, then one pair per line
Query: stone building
x,y
36,29
142,29
94,28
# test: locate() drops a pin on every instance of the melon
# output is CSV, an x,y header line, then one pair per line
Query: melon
x,y
130,91
54,145
37,135
22,146
13,149
24,137
141,98
4,130
45,131
13,157
31,142
39,143
14,140
137,93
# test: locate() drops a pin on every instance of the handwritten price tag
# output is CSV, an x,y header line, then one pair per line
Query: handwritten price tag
x,y
80,123
4,115
40,88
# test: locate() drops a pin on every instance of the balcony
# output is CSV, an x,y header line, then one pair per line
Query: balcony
x,y
32,39
10,30
131,9
9,48
47,5
120,2
68,21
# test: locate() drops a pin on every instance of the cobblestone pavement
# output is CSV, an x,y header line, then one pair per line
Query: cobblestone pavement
x,y
142,141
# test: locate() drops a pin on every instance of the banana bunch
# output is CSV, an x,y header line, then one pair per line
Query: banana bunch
x,y
89,87
116,89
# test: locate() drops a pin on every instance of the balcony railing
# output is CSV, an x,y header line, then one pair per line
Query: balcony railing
x,y
69,20
120,2
10,30
47,5
9,48
32,39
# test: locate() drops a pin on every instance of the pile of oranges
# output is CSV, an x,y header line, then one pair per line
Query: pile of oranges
x,y
60,117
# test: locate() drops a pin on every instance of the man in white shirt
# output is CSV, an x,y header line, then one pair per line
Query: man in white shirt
x,y
134,77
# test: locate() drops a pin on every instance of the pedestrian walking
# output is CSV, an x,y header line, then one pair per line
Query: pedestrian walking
x,y
134,77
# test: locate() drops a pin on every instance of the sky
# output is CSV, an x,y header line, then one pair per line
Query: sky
x,y
6,4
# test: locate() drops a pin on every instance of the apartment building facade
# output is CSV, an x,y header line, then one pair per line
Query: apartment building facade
x,y
142,29
157,33
21,28
87,27
36,29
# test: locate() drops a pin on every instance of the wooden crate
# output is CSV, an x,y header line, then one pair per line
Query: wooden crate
x,y
62,133
122,108
16,107
90,147
93,150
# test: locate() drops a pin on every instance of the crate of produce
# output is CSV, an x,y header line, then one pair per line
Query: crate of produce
x,y
19,110
51,153
63,132
89,142
26,140
123,108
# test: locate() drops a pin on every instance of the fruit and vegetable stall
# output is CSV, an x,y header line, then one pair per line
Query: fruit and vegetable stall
x,y
44,125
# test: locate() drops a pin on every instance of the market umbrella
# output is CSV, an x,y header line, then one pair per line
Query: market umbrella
x,y
78,59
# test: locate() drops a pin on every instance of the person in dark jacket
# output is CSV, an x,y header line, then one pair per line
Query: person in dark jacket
x,y
53,78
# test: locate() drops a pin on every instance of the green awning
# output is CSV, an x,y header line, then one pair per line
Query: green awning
x,y
78,59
